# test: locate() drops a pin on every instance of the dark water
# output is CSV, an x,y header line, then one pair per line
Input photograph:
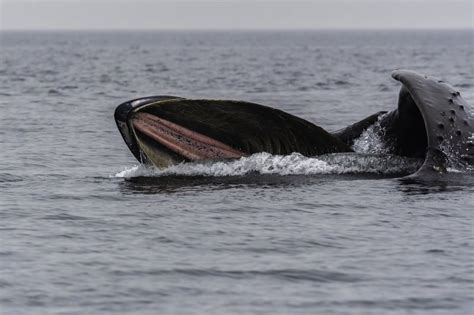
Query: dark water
x,y
85,230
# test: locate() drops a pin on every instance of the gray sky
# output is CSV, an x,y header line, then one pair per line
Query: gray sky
x,y
235,14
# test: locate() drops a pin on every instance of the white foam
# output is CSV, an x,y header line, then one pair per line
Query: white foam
x,y
293,164
129,172
263,163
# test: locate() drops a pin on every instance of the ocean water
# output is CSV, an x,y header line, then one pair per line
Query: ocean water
x,y
85,229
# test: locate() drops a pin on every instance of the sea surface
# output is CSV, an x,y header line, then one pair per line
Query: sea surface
x,y
86,230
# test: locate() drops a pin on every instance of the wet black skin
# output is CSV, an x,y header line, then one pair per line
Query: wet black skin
x,y
249,127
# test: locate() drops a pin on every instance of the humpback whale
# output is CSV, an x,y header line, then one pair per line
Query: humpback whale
x,y
432,122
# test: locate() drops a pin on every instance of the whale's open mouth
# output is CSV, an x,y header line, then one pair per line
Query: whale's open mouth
x,y
158,141
161,142
180,140
139,143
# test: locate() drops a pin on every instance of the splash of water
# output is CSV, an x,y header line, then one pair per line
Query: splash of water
x,y
293,164
263,163
371,140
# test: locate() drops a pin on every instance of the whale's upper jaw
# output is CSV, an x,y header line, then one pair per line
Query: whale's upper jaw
x,y
448,120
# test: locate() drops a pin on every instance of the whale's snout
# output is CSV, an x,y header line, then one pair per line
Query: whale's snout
x,y
123,117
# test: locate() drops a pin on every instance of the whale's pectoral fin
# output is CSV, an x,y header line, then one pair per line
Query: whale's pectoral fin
x,y
448,122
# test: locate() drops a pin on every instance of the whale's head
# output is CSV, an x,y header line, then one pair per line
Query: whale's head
x,y
167,130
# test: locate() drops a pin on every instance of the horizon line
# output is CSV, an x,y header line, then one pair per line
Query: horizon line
x,y
234,29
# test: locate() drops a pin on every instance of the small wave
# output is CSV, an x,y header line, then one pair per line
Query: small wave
x,y
341,82
285,274
464,85
330,84
322,85
409,303
383,87
54,92
63,217
8,178
68,87
18,79
293,164
435,251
